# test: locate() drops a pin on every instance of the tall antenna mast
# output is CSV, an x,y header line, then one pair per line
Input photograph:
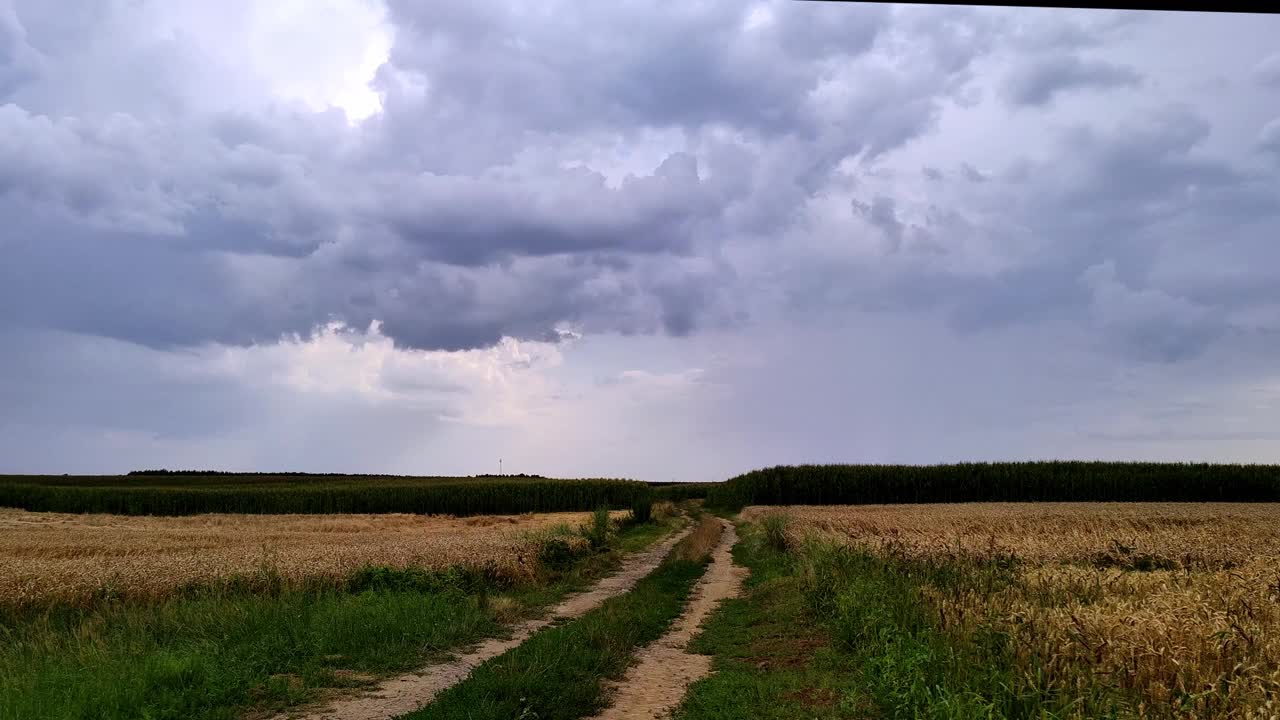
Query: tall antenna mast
x,y
499,466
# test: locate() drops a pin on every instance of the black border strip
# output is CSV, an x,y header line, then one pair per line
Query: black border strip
x,y
1217,6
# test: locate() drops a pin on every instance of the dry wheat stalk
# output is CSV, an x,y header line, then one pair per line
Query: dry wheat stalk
x,y
53,557
1165,600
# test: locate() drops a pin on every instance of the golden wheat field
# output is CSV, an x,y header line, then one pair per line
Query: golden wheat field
x,y
1162,600
61,558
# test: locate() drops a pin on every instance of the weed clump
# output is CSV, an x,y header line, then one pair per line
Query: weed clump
x,y
599,530
775,526
641,510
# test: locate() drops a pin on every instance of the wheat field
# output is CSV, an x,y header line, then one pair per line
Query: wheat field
x,y
55,558
1175,604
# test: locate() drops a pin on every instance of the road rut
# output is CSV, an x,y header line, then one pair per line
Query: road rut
x,y
406,693
656,684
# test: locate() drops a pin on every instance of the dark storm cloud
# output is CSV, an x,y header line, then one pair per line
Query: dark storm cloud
x,y
806,73
168,221
949,217
572,67
1109,187
1039,80
109,283
137,248
101,383
1107,216
1151,323
469,208
474,221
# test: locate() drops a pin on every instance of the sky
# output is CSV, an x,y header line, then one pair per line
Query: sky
x,y
657,240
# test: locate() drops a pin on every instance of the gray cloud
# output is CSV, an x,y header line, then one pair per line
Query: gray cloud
x,y
1114,208
1039,80
264,220
881,213
285,219
656,175
1267,72
19,62
1127,200
468,221
123,407
1269,138
1040,30
1152,323
579,68
56,380
972,173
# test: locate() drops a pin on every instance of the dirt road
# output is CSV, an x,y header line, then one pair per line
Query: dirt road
x,y
664,670
407,693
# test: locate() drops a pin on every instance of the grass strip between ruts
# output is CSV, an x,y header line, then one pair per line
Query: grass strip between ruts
x,y
560,673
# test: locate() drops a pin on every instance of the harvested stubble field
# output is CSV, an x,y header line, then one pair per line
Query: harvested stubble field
x,y
65,559
1174,606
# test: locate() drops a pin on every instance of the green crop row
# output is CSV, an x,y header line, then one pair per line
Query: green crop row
x,y
189,495
999,482
677,492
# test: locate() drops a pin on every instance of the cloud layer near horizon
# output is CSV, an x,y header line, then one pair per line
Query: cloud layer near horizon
x,y
676,240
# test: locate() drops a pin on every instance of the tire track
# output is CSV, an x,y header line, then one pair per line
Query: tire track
x,y
406,693
656,684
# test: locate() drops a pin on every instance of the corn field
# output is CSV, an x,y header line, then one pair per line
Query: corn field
x,y
277,494
677,492
995,482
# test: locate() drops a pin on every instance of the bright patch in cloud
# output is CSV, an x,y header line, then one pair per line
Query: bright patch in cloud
x,y
498,385
322,52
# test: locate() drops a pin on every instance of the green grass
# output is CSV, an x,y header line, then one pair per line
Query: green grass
x,y
559,673
209,658
824,632
220,654
771,659
639,537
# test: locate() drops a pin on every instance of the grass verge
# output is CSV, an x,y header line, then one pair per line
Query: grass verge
x,y
559,673
225,653
825,632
